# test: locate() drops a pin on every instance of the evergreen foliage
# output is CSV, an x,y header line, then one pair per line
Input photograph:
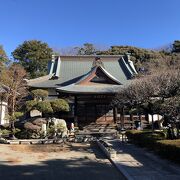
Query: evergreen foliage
x,y
44,107
87,49
3,57
30,105
176,46
33,56
40,94
60,105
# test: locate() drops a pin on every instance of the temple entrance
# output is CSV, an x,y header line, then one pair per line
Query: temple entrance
x,y
94,113
93,109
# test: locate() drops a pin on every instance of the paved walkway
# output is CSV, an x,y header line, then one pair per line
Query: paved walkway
x,y
135,163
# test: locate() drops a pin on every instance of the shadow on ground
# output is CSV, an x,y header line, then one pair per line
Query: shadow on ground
x,y
62,169
140,164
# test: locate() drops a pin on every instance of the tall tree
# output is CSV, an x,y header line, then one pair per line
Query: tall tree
x,y
3,56
157,93
176,46
14,78
87,49
33,56
142,58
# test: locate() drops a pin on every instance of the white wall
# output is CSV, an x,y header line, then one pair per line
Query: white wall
x,y
156,117
3,112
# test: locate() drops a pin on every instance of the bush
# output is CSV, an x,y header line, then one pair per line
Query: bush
x,y
169,149
30,105
60,105
28,134
44,107
145,138
5,132
18,114
39,94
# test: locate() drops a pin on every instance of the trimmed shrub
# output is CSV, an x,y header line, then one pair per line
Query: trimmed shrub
x,y
169,149
18,114
5,132
39,94
60,105
31,105
44,107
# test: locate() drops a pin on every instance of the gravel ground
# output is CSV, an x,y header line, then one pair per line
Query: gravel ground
x,y
46,162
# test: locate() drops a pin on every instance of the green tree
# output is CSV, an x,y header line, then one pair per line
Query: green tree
x,y
30,105
87,49
176,46
59,105
39,94
3,56
44,107
142,58
33,56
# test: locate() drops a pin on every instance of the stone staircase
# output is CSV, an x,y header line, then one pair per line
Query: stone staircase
x,y
94,127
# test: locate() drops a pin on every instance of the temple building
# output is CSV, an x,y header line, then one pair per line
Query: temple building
x,y
89,83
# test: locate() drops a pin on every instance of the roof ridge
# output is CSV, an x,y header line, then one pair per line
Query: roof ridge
x,y
120,55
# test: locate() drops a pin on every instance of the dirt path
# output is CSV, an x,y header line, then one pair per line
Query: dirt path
x,y
46,162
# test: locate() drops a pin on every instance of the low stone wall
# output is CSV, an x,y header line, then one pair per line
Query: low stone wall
x,y
107,149
32,141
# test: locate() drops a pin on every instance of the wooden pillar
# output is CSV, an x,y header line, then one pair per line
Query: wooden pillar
x,y
152,123
105,110
122,118
85,112
177,126
115,114
132,120
140,119
75,112
146,117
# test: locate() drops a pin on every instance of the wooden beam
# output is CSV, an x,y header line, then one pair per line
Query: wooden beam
x,y
132,120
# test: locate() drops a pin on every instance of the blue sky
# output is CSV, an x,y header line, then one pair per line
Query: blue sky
x,y
63,23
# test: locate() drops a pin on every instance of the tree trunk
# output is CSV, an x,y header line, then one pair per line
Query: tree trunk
x,y
140,119
13,111
152,123
146,117
131,119
177,128
115,114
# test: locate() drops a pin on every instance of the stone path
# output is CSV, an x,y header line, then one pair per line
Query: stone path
x,y
136,163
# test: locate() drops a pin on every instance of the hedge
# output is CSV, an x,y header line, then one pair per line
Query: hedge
x,y
169,149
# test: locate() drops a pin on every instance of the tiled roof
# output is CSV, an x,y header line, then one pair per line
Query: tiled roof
x,y
75,89
73,68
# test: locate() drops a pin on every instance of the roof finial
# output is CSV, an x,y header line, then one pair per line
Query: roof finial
x,y
97,62
53,57
128,56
